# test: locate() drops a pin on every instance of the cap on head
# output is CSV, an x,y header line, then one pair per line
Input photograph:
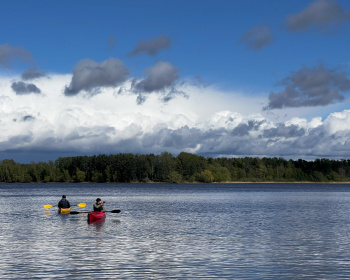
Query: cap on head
x,y
98,199
64,196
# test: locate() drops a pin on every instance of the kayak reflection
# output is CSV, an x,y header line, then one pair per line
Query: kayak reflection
x,y
96,216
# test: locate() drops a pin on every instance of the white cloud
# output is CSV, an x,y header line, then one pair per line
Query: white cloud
x,y
303,123
338,122
209,122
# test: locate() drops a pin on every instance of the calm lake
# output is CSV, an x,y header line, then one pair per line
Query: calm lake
x,y
177,231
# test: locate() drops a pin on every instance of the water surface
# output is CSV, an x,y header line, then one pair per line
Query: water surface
x,y
177,231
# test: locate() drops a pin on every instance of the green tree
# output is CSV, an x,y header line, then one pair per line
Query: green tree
x,y
66,176
79,175
27,178
189,164
317,176
334,176
175,177
97,177
241,174
220,174
107,174
206,176
164,165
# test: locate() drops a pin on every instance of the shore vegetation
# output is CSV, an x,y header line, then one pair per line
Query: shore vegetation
x,y
184,168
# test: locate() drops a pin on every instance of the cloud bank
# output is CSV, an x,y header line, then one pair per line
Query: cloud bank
x,y
111,122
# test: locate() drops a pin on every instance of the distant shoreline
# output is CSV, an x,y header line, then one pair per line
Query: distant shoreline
x,y
273,182
185,168
211,183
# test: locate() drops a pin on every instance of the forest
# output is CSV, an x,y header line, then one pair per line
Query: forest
x,y
184,168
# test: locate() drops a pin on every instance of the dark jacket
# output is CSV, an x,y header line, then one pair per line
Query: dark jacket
x,y
99,208
63,203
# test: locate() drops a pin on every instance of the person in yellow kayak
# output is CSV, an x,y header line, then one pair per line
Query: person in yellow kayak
x,y
98,206
63,203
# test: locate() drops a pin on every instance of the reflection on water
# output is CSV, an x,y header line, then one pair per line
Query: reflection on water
x,y
242,231
97,225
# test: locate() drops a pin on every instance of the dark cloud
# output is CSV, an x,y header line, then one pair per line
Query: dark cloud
x,y
141,98
172,94
21,139
8,54
310,87
320,13
90,76
96,133
180,138
22,88
199,82
111,42
32,73
281,130
257,37
25,118
159,77
244,129
280,140
312,139
152,46
28,118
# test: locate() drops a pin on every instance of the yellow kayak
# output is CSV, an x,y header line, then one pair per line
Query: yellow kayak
x,y
64,210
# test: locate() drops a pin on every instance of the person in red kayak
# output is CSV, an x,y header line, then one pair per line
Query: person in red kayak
x,y
98,206
63,203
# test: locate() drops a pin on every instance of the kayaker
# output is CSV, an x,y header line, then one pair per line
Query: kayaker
x,y
63,203
98,206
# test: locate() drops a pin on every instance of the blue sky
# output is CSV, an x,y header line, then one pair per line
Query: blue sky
x,y
215,78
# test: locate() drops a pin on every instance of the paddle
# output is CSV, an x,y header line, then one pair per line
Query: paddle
x,y
76,212
48,206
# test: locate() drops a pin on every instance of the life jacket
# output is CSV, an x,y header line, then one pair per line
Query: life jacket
x,y
63,203
98,207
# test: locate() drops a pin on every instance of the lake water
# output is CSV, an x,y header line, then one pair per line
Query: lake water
x,y
177,231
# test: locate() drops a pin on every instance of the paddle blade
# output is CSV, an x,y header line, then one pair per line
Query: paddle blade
x,y
115,211
47,206
74,212
81,204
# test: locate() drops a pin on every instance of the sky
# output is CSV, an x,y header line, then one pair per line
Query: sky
x,y
223,78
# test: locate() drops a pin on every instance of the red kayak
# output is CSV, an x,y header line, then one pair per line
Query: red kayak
x,y
96,216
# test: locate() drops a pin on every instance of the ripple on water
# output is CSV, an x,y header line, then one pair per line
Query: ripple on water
x,y
191,231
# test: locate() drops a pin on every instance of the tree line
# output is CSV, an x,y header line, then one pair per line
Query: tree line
x,y
186,167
